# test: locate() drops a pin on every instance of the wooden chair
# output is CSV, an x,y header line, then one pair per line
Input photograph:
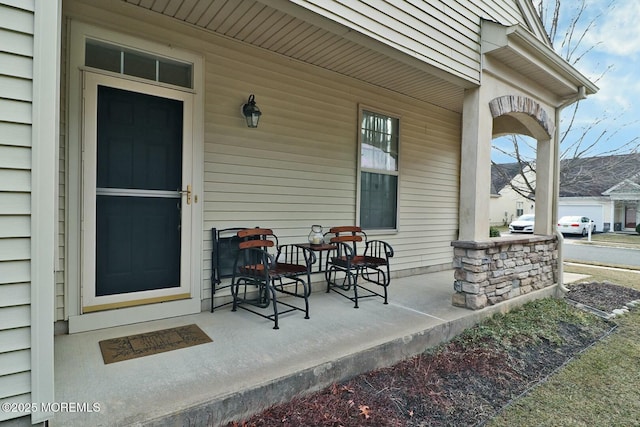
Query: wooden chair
x,y
263,268
348,264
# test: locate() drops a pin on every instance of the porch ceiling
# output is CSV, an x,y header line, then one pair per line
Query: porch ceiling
x,y
281,32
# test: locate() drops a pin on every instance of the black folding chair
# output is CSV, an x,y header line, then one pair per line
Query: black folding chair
x,y
224,249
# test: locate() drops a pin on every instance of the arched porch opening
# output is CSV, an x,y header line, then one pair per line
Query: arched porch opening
x,y
492,270
518,115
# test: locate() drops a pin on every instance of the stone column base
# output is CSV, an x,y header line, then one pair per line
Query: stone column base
x,y
492,271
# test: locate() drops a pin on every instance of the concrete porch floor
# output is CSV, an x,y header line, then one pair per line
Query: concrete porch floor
x,y
249,365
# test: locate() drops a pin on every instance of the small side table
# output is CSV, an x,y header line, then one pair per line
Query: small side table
x,y
321,248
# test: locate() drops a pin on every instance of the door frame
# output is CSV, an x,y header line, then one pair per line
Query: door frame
x,y
91,302
73,202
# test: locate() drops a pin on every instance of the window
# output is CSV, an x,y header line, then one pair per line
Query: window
x,y
519,208
378,171
120,60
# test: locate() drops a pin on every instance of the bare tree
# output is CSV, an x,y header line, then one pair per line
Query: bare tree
x,y
567,37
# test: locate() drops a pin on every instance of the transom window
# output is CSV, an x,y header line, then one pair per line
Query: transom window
x,y
378,171
110,57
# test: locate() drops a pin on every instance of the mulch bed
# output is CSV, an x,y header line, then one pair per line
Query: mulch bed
x,y
455,385
602,296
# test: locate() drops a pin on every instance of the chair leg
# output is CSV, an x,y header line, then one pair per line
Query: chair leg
x,y
234,295
275,305
385,294
327,276
387,279
306,308
307,293
355,287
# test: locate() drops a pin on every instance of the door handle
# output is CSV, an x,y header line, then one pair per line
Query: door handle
x,y
188,193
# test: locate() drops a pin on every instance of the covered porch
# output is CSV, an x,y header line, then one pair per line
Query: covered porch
x,y
301,162
249,366
624,204
95,83
305,159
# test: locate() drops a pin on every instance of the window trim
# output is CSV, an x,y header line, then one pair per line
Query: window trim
x,y
360,169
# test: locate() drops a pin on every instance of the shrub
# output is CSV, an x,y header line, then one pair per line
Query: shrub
x,y
495,232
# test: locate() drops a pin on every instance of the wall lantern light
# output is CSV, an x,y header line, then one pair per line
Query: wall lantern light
x,y
251,112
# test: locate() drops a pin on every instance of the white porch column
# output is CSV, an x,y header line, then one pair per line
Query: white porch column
x,y
544,188
612,226
475,173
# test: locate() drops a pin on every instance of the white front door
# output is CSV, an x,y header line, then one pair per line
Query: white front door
x,y
137,201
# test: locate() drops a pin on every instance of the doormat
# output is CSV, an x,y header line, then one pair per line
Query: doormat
x,y
133,346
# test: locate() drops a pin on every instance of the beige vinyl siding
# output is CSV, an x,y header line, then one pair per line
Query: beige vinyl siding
x,y
15,203
12,157
15,359
15,42
14,135
15,88
17,66
13,180
13,271
298,167
14,18
15,111
505,12
14,226
442,33
16,50
20,384
14,249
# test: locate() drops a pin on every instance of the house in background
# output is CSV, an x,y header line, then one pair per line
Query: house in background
x,y
625,204
122,145
603,188
506,203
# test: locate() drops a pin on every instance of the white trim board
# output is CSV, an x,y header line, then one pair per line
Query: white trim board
x,y
45,131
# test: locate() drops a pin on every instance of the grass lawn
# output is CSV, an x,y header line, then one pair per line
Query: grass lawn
x,y
600,387
624,277
613,239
